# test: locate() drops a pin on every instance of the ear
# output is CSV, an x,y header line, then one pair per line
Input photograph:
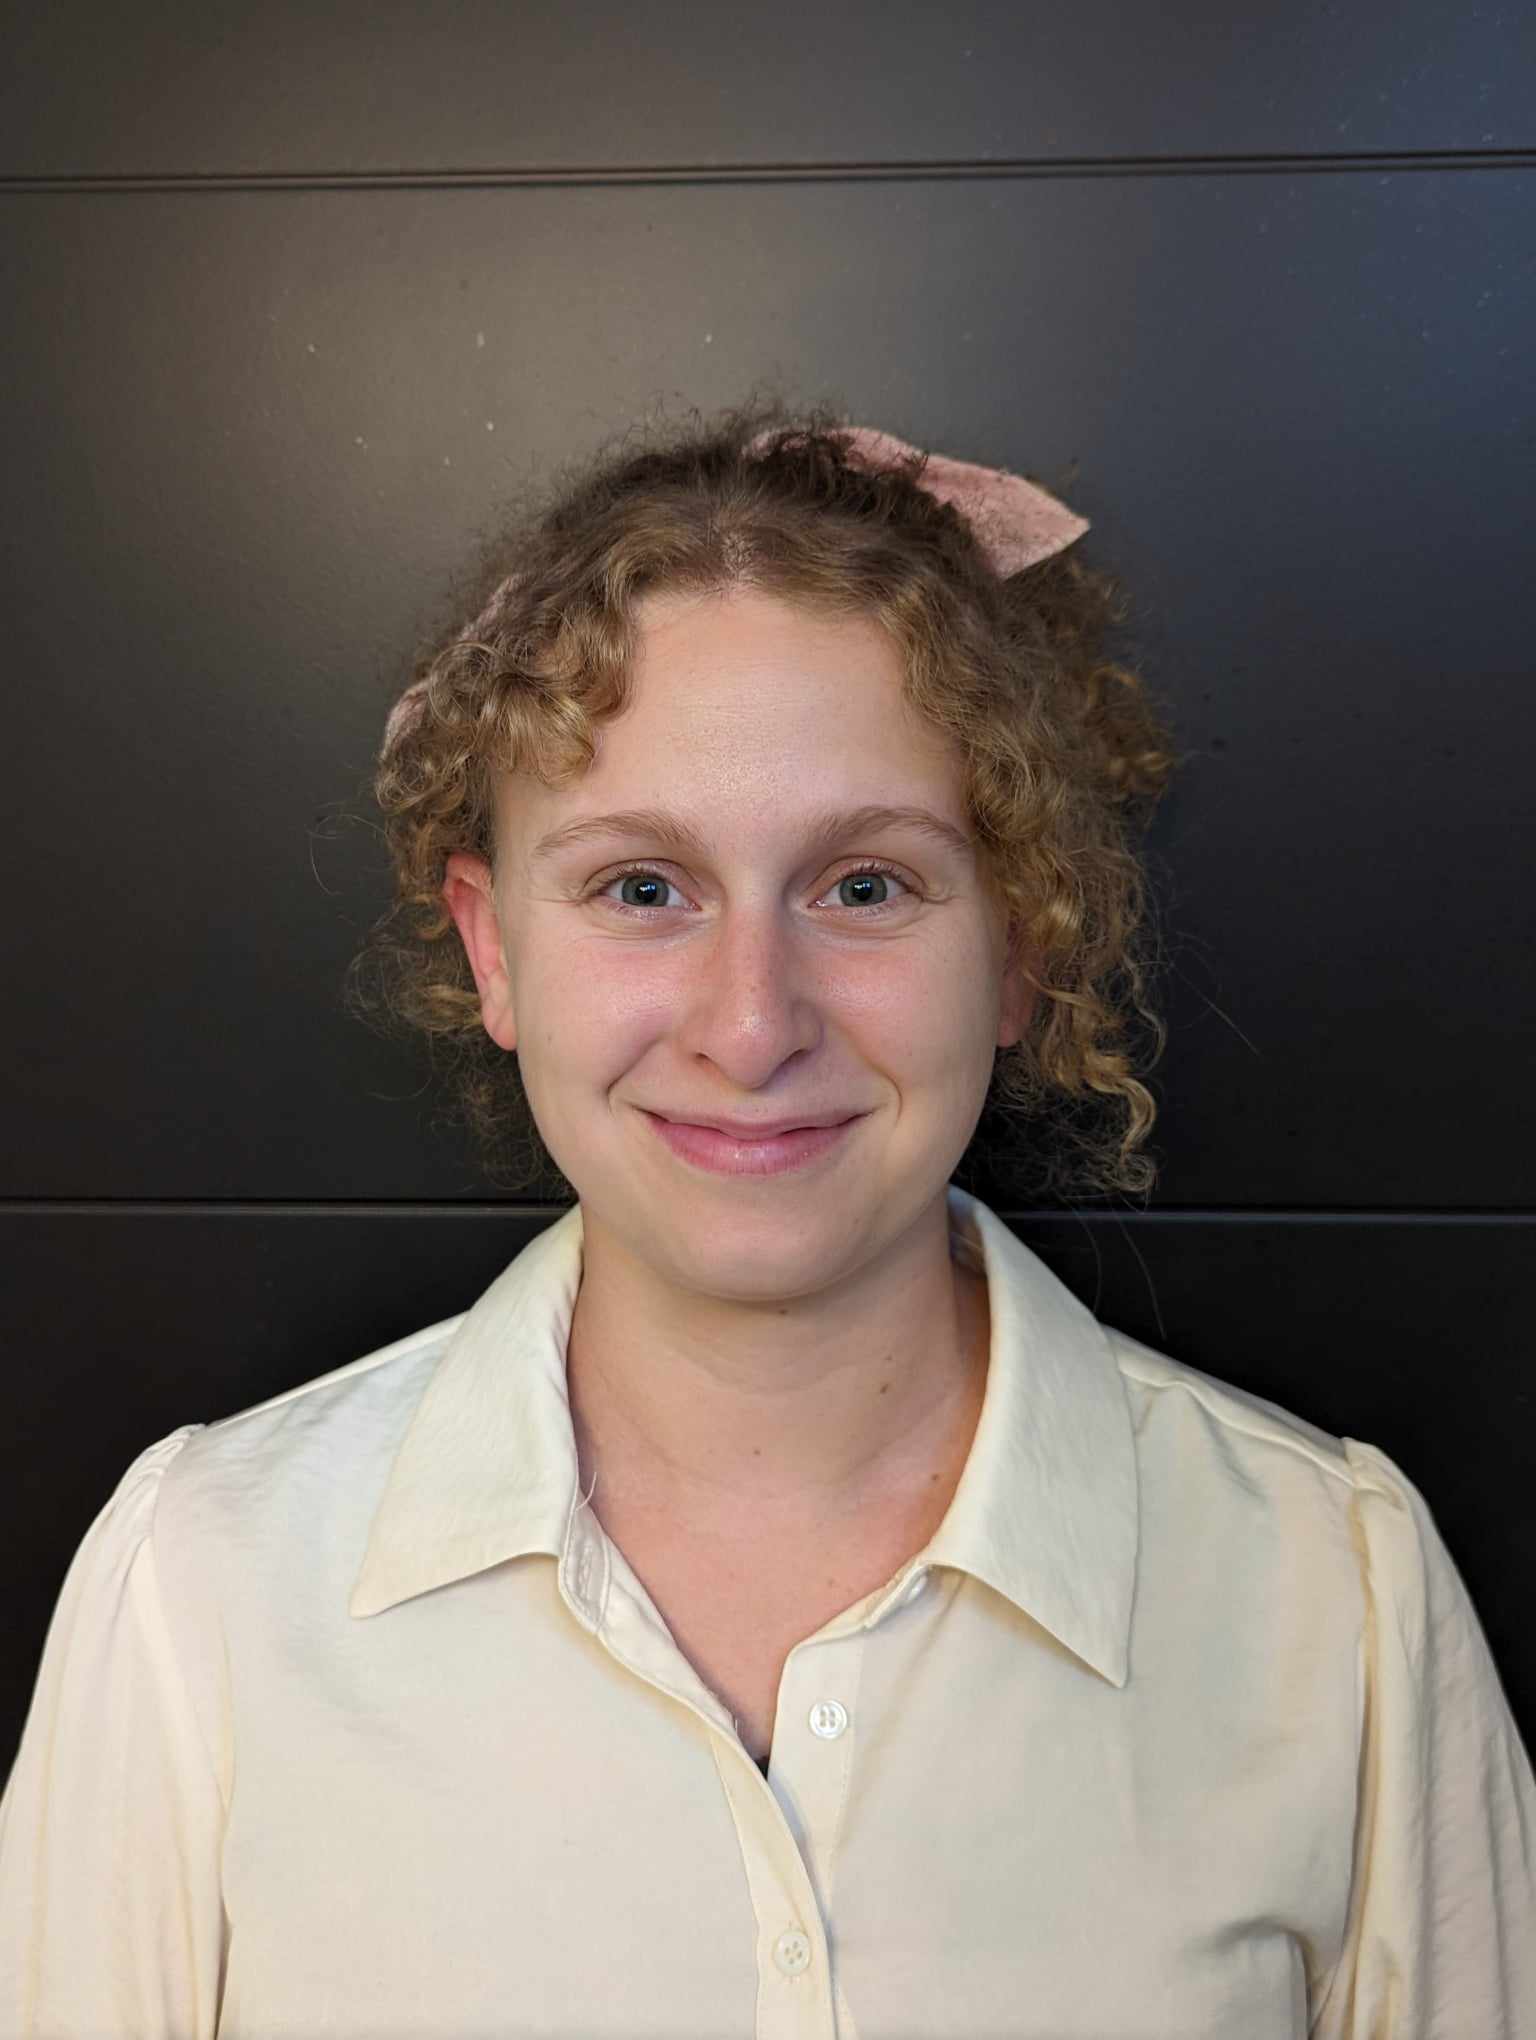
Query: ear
x,y
469,898
1017,997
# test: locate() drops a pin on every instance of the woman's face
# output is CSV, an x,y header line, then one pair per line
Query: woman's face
x,y
769,971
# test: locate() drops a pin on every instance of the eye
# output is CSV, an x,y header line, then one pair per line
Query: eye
x,y
654,884
862,875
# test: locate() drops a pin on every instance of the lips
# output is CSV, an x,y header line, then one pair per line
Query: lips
x,y
747,1130
760,1154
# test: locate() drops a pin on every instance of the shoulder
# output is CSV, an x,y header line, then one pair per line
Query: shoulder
x,y
284,1489
1214,1458
1165,1393
1336,1494
1298,1538
373,1381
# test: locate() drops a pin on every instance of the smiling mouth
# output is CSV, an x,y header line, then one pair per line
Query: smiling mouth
x,y
733,1154
754,1133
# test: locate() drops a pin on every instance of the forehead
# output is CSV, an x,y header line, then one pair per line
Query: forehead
x,y
747,713
798,687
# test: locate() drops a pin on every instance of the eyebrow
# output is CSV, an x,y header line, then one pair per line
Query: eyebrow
x,y
826,827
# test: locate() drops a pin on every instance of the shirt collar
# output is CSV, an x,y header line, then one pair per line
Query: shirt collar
x,y
1046,1511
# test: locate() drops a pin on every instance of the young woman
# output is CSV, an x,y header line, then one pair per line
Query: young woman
x,y
776,1607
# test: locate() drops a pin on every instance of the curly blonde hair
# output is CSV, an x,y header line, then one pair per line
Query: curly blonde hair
x,y
1063,756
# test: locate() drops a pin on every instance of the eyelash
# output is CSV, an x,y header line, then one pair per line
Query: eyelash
x,y
872,865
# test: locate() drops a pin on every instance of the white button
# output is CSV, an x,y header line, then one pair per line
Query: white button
x,y
828,1718
792,1952
918,1582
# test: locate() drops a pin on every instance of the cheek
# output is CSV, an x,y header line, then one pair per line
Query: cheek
x,y
958,1035
585,1007
927,1020
955,1031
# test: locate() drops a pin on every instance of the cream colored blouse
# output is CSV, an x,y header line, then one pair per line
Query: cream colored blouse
x,y
351,1721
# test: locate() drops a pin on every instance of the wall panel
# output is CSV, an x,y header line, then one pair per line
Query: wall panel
x,y
360,87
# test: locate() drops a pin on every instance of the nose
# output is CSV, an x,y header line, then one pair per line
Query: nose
x,y
751,998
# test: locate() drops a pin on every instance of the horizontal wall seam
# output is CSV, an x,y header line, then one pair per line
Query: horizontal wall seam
x,y
917,171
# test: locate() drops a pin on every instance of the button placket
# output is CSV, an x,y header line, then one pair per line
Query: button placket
x,y
813,1748
794,2000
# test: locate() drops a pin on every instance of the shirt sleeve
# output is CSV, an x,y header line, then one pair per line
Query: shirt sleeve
x,y
1441,1937
111,1914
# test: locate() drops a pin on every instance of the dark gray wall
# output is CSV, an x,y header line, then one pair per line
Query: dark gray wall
x,y
299,293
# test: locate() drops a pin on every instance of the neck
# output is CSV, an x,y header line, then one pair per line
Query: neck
x,y
804,1409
